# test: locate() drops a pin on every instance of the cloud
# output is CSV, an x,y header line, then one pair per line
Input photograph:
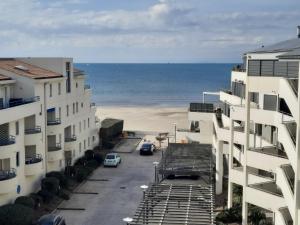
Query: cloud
x,y
170,24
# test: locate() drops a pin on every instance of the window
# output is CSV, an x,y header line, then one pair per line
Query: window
x,y
84,124
79,126
50,89
80,147
17,128
68,73
18,159
59,113
76,85
59,88
81,104
77,107
89,141
93,138
73,108
67,110
88,122
84,144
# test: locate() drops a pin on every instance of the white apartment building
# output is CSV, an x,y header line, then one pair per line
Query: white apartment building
x,y
255,132
46,121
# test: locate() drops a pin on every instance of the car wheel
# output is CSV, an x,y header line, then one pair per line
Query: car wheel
x,y
120,161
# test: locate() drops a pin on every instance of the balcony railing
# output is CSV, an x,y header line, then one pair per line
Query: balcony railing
x,y
270,150
34,130
289,174
294,85
78,72
201,107
238,68
71,139
34,159
268,187
93,104
87,86
57,147
56,121
10,140
13,102
286,216
291,128
7,174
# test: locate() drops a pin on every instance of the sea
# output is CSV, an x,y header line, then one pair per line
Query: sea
x,y
154,84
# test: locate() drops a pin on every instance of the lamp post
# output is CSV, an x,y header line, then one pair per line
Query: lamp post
x,y
175,125
155,172
127,220
144,188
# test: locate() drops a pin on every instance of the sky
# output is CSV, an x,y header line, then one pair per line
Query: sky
x,y
144,31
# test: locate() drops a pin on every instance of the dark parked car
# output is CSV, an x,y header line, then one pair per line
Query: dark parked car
x,y
51,219
147,149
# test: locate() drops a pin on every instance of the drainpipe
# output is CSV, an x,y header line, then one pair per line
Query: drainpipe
x,y
45,129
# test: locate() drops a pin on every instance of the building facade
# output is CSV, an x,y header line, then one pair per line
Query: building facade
x,y
255,132
46,121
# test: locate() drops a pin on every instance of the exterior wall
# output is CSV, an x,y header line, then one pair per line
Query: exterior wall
x,y
28,176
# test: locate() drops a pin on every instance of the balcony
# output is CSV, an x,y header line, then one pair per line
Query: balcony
x,y
270,150
93,104
8,181
71,139
33,165
10,140
13,102
287,218
87,87
55,152
53,122
202,107
268,187
78,73
239,68
35,130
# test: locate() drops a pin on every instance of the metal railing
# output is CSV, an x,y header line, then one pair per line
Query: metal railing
x,y
202,107
270,150
57,147
93,104
71,138
13,102
289,174
78,72
7,140
33,159
268,187
34,130
238,68
291,128
7,174
294,85
87,86
56,121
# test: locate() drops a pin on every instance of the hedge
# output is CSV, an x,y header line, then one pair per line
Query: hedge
x,y
25,201
63,180
50,184
16,214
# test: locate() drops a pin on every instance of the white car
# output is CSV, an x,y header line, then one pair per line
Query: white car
x,y
112,159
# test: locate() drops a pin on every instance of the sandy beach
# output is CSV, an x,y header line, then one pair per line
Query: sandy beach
x,y
147,119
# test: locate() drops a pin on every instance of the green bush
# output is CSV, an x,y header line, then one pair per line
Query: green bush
x,y
81,161
70,171
50,184
63,181
257,216
232,215
99,158
62,194
82,173
16,214
26,201
37,199
89,154
92,164
46,195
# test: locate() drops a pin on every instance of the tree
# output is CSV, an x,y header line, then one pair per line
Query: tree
x,y
256,216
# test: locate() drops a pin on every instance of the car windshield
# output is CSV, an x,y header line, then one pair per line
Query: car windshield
x,y
110,157
147,146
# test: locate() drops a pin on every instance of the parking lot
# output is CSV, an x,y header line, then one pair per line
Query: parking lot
x,y
111,193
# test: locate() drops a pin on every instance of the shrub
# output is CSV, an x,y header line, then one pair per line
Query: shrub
x,y
99,158
70,171
37,199
63,181
92,164
89,154
232,215
82,173
16,214
257,216
62,194
81,161
50,184
46,195
26,201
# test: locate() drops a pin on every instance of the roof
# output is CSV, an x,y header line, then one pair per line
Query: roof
x,y
3,77
27,70
283,46
291,55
